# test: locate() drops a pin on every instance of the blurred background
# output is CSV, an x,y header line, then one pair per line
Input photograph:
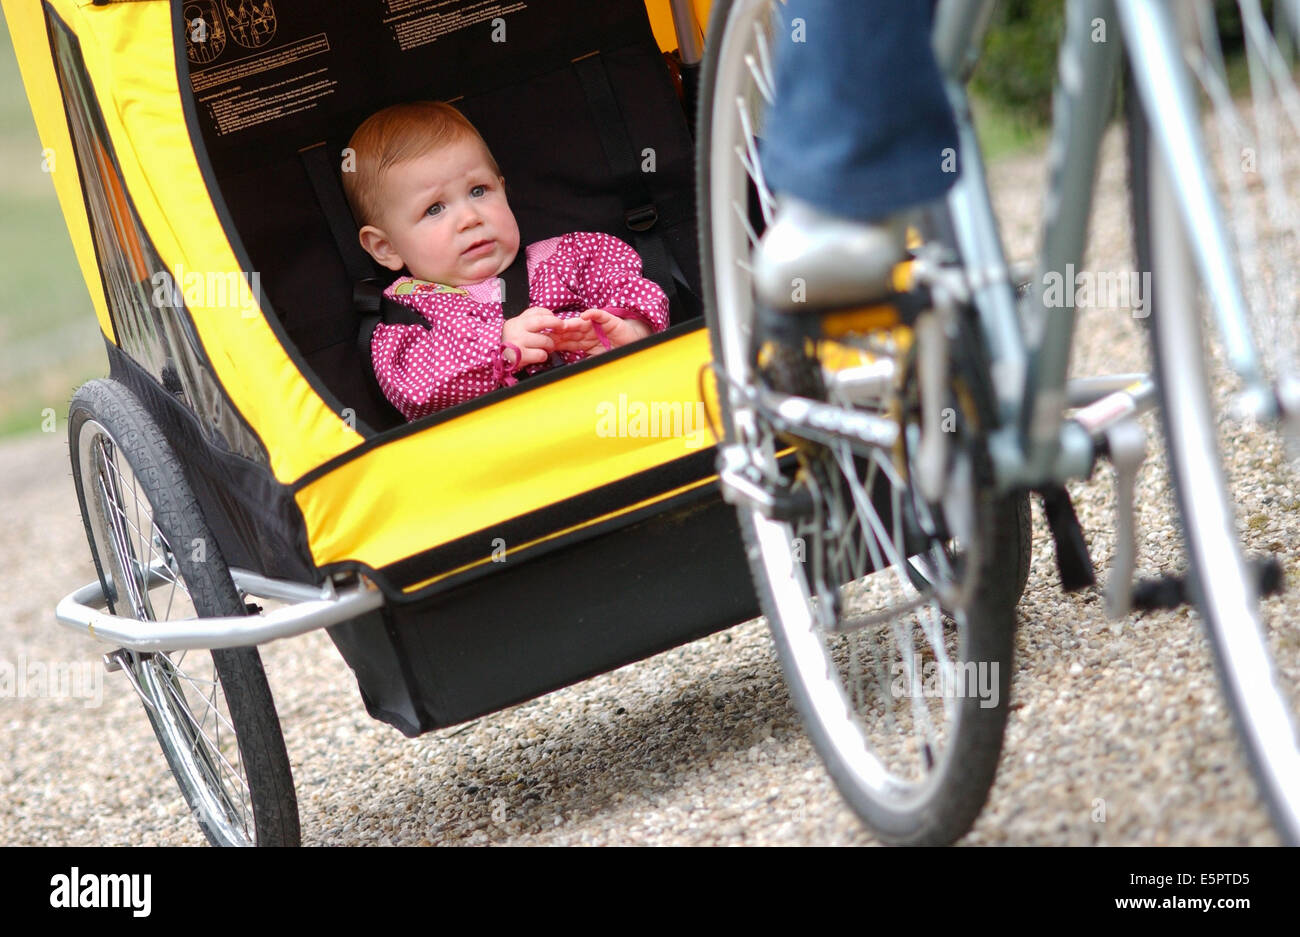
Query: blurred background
x,y
49,341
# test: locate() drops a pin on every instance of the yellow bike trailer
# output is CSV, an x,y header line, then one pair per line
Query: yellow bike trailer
x,y
240,449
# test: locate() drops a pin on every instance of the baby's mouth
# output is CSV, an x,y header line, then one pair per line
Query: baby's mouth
x,y
478,247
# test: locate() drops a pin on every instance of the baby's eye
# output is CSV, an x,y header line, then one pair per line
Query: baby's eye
x,y
478,191
434,209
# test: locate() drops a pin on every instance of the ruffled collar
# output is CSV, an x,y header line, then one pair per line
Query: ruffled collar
x,y
484,291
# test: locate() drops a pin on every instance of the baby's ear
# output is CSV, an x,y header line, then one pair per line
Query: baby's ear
x,y
378,246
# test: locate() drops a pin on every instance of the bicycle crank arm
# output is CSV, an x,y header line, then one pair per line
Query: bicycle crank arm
x,y
1127,444
825,422
1110,421
932,370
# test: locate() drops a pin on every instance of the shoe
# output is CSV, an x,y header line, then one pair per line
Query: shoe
x,y
810,260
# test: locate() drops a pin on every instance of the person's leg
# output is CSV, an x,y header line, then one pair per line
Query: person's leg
x,y
860,130
861,126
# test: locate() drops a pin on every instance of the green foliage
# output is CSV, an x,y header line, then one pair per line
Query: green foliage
x,y
1018,64
1230,29
1018,67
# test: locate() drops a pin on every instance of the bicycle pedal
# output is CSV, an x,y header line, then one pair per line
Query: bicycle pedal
x,y
742,483
1166,592
1160,592
790,503
1269,577
811,323
899,308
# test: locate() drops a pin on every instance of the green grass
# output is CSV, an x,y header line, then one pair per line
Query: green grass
x,y
49,340
1002,133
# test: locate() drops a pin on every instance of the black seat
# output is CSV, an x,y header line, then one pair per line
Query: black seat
x,y
537,110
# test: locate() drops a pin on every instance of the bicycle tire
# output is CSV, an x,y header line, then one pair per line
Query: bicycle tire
x,y
1223,590
107,427
941,807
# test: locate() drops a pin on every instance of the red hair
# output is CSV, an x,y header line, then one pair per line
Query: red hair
x,y
394,135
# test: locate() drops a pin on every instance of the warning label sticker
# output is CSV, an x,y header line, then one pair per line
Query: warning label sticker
x,y
234,106
205,78
416,23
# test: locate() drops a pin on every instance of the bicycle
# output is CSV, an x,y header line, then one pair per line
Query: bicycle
x,y
961,338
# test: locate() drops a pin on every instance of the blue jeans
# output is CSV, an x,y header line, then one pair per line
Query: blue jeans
x,y
861,126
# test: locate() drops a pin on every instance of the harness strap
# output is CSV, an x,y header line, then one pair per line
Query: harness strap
x,y
514,286
329,193
375,307
640,213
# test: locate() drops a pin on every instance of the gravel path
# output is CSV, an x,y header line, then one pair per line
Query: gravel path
x,y
698,745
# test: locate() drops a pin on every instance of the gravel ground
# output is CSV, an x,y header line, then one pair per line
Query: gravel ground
x,y
698,745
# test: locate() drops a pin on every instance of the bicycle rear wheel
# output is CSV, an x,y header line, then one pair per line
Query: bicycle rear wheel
x,y
1233,480
893,618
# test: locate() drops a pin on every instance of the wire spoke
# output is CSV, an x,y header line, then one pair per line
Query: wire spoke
x,y
760,80
749,159
750,233
210,705
764,75
209,746
153,568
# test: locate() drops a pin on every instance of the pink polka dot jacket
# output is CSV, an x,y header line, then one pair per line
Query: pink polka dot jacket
x,y
461,356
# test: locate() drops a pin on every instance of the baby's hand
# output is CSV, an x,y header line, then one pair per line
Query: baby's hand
x,y
530,331
617,330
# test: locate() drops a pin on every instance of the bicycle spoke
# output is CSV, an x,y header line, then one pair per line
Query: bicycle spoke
x,y
1227,466
743,215
209,703
209,746
129,580
142,573
760,66
749,159
760,80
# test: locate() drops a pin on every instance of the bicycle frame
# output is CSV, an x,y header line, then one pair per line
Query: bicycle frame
x,y
1030,345
1032,443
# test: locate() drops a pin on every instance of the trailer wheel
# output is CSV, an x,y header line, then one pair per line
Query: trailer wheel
x,y
212,711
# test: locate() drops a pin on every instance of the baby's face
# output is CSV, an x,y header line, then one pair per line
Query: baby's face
x,y
445,217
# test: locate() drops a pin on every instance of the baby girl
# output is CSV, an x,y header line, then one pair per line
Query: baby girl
x,y
430,199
